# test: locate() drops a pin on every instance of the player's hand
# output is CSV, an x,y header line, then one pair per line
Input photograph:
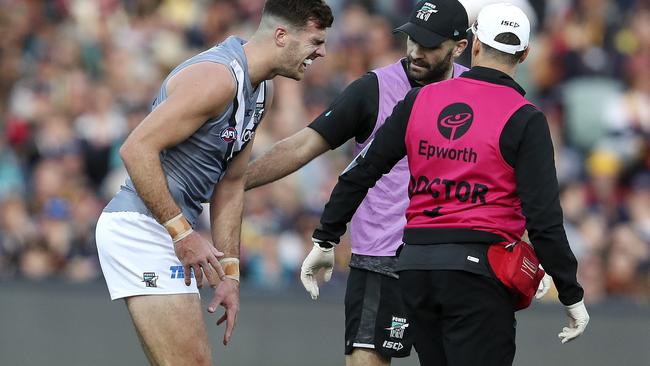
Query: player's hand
x,y
227,295
578,319
198,254
544,286
319,258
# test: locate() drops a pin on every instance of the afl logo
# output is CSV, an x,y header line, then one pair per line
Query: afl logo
x,y
228,134
455,120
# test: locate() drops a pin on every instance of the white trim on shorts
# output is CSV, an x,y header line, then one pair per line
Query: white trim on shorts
x,y
131,244
363,345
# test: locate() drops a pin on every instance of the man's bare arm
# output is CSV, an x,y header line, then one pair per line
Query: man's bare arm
x,y
195,94
285,157
226,208
227,203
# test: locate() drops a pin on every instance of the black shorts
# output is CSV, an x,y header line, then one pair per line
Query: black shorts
x,y
460,318
374,315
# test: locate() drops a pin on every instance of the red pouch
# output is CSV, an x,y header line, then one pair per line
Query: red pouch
x,y
517,267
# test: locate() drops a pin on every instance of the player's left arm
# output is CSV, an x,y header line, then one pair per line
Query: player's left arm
x,y
226,204
226,209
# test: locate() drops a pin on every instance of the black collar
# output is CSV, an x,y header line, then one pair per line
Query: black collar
x,y
492,76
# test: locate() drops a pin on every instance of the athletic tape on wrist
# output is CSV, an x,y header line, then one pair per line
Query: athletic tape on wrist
x,y
230,267
178,227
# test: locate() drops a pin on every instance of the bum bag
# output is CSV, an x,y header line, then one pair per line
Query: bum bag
x,y
517,267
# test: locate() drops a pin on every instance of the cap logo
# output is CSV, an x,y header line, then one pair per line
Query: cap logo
x,y
509,23
425,11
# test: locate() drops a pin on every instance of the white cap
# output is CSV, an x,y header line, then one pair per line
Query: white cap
x,y
500,18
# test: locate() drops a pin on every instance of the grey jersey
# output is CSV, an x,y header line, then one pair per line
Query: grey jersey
x,y
194,166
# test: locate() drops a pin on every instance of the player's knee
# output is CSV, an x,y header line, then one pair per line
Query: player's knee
x,y
190,356
366,357
198,353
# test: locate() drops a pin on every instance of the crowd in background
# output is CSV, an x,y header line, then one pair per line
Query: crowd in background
x,y
76,76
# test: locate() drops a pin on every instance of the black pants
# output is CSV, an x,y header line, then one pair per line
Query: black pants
x,y
375,315
459,318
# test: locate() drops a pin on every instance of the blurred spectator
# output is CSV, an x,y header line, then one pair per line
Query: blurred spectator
x,y
99,128
603,169
17,233
76,76
11,175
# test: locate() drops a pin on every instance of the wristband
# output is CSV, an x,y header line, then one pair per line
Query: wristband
x,y
230,267
178,227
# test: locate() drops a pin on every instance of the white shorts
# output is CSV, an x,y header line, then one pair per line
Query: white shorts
x,y
137,256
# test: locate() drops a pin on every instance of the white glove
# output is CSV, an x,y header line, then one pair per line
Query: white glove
x,y
544,286
318,258
578,319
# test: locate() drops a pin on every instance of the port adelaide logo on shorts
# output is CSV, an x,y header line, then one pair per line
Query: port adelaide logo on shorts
x,y
397,327
149,279
455,120
228,134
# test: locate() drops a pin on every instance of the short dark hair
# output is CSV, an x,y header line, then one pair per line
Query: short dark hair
x,y
299,12
507,58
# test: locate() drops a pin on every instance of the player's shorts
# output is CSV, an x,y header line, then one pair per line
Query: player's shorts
x,y
375,316
137,256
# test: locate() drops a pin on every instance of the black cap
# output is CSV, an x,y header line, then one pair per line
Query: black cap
x,y
435,21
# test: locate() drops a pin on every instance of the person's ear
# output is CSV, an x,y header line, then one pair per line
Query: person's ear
x,y
525,55
476,45
460,47
281,36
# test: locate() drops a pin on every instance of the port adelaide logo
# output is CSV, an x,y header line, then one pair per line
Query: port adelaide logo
x,y
149,279
455,120
397,327
425,11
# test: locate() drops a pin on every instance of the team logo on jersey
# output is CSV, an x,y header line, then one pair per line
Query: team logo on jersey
x,y
455,120
397,327
425,11
149,279
228,134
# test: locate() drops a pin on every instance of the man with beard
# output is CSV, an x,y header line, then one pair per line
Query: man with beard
x,y
480,157
376,326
